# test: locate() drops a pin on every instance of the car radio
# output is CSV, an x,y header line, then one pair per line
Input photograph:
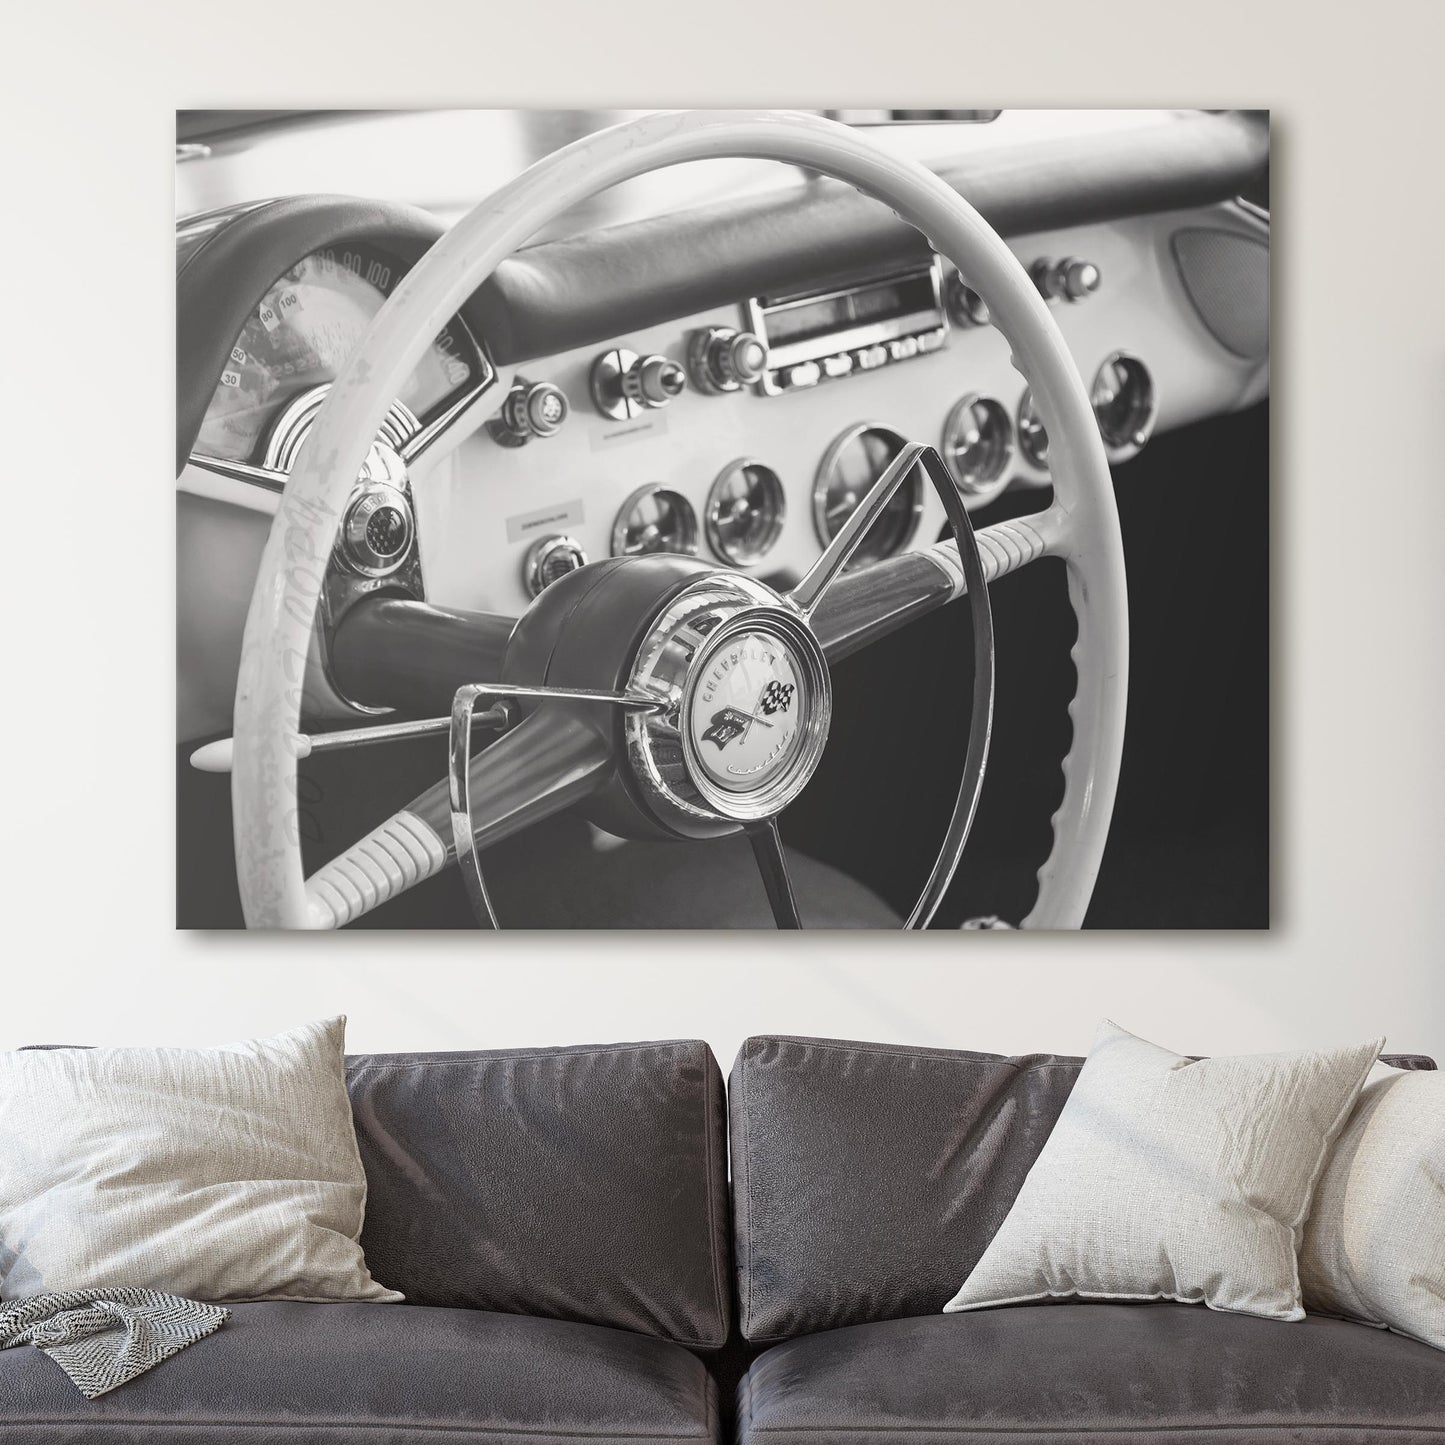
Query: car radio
x,y
822,335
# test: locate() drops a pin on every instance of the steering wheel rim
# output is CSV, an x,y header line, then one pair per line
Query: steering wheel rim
x,y
1081,525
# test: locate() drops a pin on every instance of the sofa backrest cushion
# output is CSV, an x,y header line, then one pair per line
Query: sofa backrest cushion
x,y
869,1178
573,1183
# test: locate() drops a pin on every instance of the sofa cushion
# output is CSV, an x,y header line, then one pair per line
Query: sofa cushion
x,y
1167,1177
868,1179
321,1374
217,1173
1108,1374
576,1183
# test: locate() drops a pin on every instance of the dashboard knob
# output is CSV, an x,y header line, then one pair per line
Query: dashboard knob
x,y
625,384
744,360
1078,279
720,359
653,381
550,559
1070,279
965,305
531,409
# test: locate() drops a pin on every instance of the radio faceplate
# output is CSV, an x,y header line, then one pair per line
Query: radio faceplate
x,y
823,335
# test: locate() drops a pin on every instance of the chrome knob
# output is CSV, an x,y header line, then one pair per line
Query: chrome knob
x,y
744,360
965,305
653,381
625,384
1078,278
531,409
720,359
550,559
1070,279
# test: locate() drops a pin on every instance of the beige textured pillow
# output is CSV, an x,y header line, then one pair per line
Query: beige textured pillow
x,y
1167,1178
223,1174
1374,1244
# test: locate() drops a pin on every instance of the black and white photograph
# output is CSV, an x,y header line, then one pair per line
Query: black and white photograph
x,y
539,536
723,519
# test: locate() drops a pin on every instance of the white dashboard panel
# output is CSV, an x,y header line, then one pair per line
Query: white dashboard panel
x,y
479,514
481,506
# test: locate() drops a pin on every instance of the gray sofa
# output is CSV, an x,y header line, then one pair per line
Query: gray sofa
x,y
560,1222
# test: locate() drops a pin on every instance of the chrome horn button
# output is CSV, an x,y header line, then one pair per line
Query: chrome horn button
x,y
750,703
744,712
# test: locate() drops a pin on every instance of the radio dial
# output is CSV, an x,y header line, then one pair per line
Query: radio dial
x,y
965,305
721,359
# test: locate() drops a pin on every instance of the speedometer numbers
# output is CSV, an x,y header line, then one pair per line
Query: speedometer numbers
x,y
300,335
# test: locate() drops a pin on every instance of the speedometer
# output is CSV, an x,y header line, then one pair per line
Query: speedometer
x,y
299,336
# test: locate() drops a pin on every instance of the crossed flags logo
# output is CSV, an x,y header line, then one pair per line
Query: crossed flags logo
x,y
777,697
733,722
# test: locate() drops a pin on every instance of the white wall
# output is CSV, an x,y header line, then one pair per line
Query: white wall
x,y
1359,516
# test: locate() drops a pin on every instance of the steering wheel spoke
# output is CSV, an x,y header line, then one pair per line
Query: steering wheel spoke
x,y
773,866
821,575
548,762
863,606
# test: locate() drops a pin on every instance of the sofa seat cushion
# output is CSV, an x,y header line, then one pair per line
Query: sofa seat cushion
x,y
1104,1373
380,1374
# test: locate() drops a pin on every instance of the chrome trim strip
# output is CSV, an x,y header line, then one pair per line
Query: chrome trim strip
x,y
809,592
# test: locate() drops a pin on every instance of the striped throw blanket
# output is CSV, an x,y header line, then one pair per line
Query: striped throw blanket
x,y
103,1337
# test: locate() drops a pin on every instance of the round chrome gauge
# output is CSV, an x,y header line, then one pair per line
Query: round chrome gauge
x,y
654,519
1033,439
849,468
1124,405
745,511
978,444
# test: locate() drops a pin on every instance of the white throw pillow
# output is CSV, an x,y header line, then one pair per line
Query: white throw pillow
x,y
222,1174
1374,1244
1167,1178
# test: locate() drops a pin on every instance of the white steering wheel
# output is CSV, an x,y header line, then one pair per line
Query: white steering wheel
x,y
626,727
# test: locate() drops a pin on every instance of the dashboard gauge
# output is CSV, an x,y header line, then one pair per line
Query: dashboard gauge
x,y
301,333
849,468
745,512
1033,439
654,519
978,444
1124,405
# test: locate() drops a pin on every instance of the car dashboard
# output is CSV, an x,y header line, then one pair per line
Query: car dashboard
x,y
742,430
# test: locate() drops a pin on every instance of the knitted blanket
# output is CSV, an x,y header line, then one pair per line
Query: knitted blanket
x,y
103,1337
